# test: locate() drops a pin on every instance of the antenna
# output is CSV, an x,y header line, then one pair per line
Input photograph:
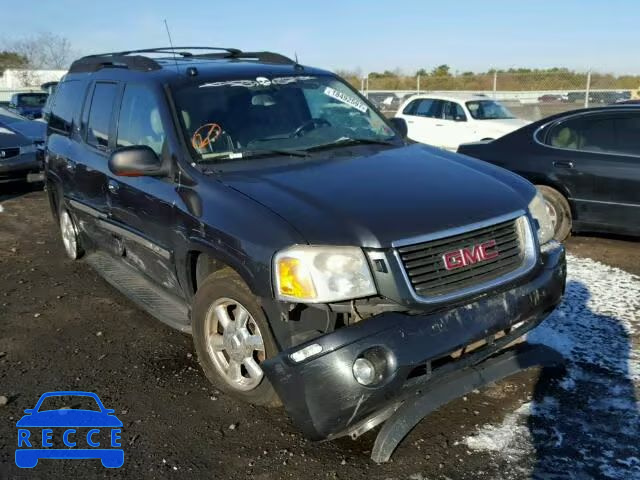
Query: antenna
x,y
166,25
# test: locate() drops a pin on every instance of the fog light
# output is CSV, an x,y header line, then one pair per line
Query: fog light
x,y
364,371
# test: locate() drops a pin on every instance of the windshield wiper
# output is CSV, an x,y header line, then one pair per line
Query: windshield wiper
x,y
245,154
346,141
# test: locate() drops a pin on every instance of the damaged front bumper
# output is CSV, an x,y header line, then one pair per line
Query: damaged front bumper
x,y
423,353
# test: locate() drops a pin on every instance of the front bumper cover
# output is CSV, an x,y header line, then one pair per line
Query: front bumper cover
x,y
325,401
20,168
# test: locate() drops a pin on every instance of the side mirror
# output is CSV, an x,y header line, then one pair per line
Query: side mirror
x,y
109,411
28,411
136,161
460,119
400,125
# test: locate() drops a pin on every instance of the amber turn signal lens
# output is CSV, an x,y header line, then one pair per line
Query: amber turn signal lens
x,y
294,280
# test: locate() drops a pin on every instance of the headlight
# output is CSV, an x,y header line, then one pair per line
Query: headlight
x,y
314,274
538,210
28,149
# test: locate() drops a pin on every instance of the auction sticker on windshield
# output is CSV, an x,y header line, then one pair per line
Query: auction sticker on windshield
x,y
352,102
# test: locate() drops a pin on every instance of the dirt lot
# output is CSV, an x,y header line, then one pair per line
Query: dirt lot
x,y
63,328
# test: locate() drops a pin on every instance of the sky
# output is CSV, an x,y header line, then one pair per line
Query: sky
x,y
365,35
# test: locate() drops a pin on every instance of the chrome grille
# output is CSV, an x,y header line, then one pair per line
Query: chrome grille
x,y
425,266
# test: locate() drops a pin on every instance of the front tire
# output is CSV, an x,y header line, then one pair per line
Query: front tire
x,y
559,211
232,338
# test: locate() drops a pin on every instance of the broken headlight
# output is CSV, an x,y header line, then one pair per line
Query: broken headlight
x,y
318,274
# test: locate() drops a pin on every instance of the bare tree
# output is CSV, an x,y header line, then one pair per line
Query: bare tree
x,y
45,50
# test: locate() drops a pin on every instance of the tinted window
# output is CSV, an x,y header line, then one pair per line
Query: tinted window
x,y
454,111
628,134
66,105
32,99
425,108
139,122
104,96
589,133
411,108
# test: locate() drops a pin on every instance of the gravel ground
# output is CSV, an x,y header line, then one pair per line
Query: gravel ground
x,y
62,327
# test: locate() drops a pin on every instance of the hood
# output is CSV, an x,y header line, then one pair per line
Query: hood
x,y
32,129
10,137
374,199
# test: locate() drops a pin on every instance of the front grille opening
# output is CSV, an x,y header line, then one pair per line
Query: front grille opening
x,y
9,152
425,266
434,366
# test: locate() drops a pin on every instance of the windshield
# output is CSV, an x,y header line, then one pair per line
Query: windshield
x,y
239,118
32,99
488,110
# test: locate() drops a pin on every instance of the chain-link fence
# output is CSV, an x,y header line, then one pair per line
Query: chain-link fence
x,y
531,96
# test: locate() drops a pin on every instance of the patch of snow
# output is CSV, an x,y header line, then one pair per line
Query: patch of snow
x,y
1,209
596,404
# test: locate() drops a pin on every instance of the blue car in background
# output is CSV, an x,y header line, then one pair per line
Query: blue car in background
x,y
37,439
28,104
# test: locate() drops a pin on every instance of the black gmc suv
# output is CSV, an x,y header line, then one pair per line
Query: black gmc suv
x,y
317,259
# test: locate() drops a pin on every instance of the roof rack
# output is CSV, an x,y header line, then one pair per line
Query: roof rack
x,y
135,60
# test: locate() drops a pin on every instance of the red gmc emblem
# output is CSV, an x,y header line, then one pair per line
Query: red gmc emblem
x,y
469,256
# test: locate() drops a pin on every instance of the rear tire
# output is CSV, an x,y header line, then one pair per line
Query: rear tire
x,y
559,211
232,337
69,233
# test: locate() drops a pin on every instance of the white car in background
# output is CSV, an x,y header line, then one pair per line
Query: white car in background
x,y
446,121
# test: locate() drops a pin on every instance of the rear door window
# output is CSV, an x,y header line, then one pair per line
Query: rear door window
x,y
100,114
454,111
65,108
593,133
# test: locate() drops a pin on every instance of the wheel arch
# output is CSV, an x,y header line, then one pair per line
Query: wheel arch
x,y
545,182
202,260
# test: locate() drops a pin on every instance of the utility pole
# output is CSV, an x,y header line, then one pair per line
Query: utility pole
x,y
588,89
495,83
418,84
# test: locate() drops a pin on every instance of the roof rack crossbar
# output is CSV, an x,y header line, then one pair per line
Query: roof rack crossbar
x,y
136,60
169,50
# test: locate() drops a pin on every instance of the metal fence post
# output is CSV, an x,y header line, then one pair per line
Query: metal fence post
x,y
586,93
495,83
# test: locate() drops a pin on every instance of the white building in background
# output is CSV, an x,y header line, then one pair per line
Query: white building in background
x,y
19,79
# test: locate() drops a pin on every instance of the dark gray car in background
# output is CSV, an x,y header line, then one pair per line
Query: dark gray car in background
x,y
21,142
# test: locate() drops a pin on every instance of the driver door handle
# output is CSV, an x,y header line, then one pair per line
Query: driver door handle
x,y
70,165
563,164
113,187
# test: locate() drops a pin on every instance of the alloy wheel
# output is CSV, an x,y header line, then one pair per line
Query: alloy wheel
x,y
235,344
69,235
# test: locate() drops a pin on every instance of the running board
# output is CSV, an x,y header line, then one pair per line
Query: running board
x,y
455,385
143,292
